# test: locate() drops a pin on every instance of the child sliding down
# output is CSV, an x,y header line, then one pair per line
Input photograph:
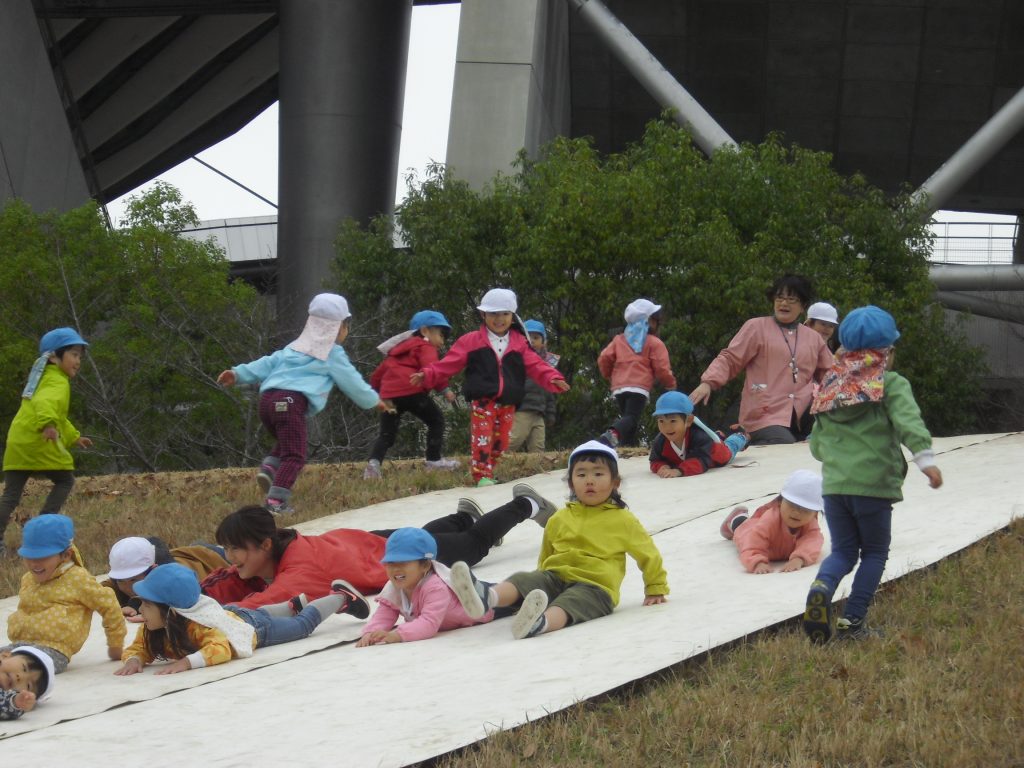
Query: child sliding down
x,y
193,630
582,558
26,677
418,590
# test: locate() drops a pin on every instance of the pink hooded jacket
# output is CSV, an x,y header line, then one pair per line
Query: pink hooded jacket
x,y
763,537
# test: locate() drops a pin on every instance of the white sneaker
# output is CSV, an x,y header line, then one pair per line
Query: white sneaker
x,y
473,594
372,471
529,621
449,465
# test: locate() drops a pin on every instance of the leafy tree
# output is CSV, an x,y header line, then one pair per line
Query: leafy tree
x,y
578,235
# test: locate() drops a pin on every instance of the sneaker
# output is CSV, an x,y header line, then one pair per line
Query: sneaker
x,y
610,438
372,471
447,465
298,602
819,622
856,629
278,507
355,604
530,622
265,477
475,595
734,520
545,508
483,482
470,507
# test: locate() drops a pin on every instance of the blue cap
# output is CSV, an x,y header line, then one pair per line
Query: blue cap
x,y
46,535
59,338
407,544
673,402
536,326
170,584
428,318
591,447
868,328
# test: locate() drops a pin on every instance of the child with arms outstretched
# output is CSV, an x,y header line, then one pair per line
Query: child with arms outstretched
x,y
418,591
786,528
298,379
191,630
582,558
497,359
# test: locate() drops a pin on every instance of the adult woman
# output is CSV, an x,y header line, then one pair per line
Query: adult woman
x,y
781,359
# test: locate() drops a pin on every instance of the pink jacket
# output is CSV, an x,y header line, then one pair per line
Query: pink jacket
x,y
763,537
763,349
435,608
625,368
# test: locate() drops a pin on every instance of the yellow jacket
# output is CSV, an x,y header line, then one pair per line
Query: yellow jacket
x,y
26,449
590,544
58,613
213,644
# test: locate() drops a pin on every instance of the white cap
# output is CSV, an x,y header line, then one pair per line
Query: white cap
x,y
803,488
824,312
499,300
641,309
593,446
47,661
329,306
130,557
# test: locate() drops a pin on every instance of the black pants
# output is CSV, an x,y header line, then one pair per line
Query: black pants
x,y
14,486
460,537
631,407
423,407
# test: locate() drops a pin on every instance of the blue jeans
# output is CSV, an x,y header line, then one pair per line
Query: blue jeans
x,y
861,528
274,630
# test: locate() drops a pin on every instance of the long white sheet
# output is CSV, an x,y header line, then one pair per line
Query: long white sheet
x,y
399,704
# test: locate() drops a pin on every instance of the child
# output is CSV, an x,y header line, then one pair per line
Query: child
x,y
632,362
40,435
786,528
537,411
58,596
497,360
417,590
131,559
678,450
26,677
582,558
296,379
862,414
192,630
407,353
824,319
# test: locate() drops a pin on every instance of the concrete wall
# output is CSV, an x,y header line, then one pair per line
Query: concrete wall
x,y
38,161
511,86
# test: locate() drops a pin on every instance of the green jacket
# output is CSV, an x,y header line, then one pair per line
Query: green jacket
x,y
859,446
26,448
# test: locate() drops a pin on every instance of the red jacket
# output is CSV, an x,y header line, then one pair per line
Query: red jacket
x,y
311,563
391,378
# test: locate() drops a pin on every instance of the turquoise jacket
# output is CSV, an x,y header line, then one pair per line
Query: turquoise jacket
x,y
859,445
299,372
26,449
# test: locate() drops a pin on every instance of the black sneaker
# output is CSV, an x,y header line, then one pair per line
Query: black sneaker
x,y
856,629
471,508
298,602
610,438
545,509
355,604
819,622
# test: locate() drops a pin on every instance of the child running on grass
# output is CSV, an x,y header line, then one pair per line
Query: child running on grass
x,y
582,558
497,359
862,414
193,630
405,354
26,678
40,436
680,450
298,379
58,596
418,591
786,528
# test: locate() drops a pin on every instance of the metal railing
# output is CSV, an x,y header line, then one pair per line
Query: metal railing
x,y
973,242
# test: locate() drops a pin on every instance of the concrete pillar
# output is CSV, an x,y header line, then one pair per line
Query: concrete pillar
x,y
342,87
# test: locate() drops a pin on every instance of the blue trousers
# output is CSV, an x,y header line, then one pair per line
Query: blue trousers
x,y
274,630
861,529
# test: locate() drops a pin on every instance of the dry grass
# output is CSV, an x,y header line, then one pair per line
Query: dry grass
x,y
944,688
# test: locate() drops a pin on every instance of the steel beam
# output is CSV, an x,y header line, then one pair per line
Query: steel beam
x,y
976,305
657,80
998,277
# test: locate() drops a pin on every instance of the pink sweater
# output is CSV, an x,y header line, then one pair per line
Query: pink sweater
x,y
434,608
763,537
763,349
625,368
